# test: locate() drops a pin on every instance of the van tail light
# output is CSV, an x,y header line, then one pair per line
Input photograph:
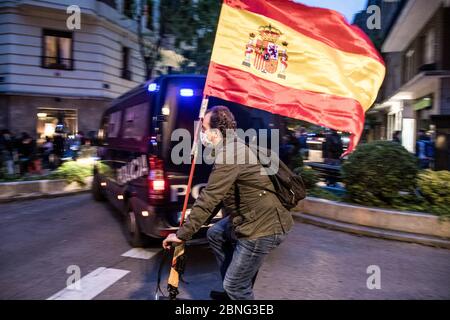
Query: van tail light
x,y
157,185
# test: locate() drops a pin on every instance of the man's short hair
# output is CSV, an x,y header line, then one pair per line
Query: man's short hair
x,y
222,119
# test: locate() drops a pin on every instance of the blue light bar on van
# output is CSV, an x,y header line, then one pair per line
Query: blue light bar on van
x,y
186,92
152,87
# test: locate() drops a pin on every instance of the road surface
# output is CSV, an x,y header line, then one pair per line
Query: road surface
x,y
45,242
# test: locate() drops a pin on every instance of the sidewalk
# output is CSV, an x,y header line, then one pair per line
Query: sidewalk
x,y
28,190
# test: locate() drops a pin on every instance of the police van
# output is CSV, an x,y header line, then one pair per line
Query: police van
x,y
137,172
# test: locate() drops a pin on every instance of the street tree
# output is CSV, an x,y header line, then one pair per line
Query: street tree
x,y
184,26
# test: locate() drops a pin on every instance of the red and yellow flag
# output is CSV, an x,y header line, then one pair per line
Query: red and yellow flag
x,y
297,61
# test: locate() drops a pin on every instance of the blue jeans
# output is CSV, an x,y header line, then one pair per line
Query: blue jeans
x,y
239,259
424,163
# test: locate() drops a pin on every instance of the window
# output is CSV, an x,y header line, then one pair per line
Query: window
x,y
150,20
410,65
394,123
114,124
57,50
397,77
135,122
429,49
126,72
182,113
101,136
128,8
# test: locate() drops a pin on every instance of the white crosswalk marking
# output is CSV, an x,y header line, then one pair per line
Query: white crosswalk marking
x,y
140,253
90,285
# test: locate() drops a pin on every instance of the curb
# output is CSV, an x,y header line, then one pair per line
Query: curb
x,y
42,196
372,231
36,189
409,222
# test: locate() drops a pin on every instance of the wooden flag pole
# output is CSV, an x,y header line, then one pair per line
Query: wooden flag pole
x,y
194,152
177,265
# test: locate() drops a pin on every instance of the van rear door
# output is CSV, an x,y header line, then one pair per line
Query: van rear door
x,y
180,109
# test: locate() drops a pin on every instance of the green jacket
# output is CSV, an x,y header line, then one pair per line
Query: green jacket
x,y
254,213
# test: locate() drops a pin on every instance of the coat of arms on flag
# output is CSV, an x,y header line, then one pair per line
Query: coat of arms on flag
x,y
269,56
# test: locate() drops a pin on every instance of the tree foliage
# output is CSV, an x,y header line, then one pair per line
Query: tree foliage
x,y
185,26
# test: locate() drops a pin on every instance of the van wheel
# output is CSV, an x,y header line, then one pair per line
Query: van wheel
x,y
97,191
134,235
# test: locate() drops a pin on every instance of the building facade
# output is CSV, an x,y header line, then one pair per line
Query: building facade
x,y
415,95
50,74
377,30
386,12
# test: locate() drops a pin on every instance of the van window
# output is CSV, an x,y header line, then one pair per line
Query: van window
x,y
181,107
135,122
103,129
114,124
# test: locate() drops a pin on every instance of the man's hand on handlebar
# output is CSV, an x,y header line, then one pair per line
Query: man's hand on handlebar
x,y
171,238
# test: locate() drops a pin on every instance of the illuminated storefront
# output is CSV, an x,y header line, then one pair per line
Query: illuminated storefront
x,y
50,121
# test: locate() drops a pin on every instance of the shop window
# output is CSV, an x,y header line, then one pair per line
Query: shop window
x,y
51,121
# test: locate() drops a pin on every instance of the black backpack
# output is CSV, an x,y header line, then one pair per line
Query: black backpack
x,y
289,187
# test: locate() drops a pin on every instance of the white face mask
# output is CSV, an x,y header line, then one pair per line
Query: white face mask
x,y
205,140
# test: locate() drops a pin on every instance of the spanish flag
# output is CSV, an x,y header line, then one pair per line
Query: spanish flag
x,y
297,61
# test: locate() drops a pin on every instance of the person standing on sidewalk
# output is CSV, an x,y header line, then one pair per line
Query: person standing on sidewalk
x,y
302,136
397,137
26,152
332,149
424,150
7,152
47,150
256,222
